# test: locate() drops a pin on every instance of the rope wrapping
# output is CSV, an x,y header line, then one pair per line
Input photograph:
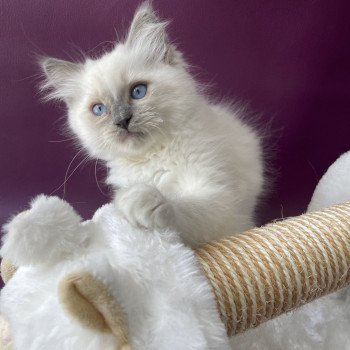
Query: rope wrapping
x,y
271,270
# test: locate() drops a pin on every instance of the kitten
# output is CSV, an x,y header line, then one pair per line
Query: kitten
x,y
175,159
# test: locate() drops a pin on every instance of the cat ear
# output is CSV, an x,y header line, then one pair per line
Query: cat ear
x,y
147,35
61,78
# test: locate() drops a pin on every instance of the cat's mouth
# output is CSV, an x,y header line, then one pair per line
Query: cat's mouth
x,y
126,134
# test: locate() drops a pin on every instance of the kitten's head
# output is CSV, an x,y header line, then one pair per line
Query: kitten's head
x,y
130,100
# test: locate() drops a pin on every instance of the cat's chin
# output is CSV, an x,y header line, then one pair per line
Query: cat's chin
x,y
137,145
132,138
132,142
124,144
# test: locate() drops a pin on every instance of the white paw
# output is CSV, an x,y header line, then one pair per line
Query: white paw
x,y
144,206
46,232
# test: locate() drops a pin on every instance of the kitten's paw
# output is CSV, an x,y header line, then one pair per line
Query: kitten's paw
x,y
144,206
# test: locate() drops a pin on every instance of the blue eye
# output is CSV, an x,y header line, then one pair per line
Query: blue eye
x,y
99,109
138,91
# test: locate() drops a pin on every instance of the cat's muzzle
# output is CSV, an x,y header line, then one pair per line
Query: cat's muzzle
x,y
123,123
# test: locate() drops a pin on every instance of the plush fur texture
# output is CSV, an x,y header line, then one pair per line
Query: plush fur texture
x,y
197,162
334,187
157,282
155,278
325,323
39,224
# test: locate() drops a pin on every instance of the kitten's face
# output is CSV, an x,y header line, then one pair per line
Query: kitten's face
x,y
130,100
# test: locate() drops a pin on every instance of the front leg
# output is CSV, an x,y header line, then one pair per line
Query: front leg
x,y
207,214
199,216
144,206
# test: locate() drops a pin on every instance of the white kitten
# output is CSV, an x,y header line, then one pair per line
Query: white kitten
x,y
176,159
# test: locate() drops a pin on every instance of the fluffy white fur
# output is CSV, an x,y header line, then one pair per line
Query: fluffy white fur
x,y
40,225
325,323
197,162
168,301
334,187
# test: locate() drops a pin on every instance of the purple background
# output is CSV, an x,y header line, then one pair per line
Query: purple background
x,y
290,60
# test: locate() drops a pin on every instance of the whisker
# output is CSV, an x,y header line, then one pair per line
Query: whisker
x,y
34,76
97,183
66,177
57,141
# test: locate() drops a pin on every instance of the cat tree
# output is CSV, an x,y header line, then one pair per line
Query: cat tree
x,y
267,271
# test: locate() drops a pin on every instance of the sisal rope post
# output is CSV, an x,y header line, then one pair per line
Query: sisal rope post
x,y
7,270
271,270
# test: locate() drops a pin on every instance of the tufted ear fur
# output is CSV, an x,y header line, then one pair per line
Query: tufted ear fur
x,y
61,78
147,35
88,301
